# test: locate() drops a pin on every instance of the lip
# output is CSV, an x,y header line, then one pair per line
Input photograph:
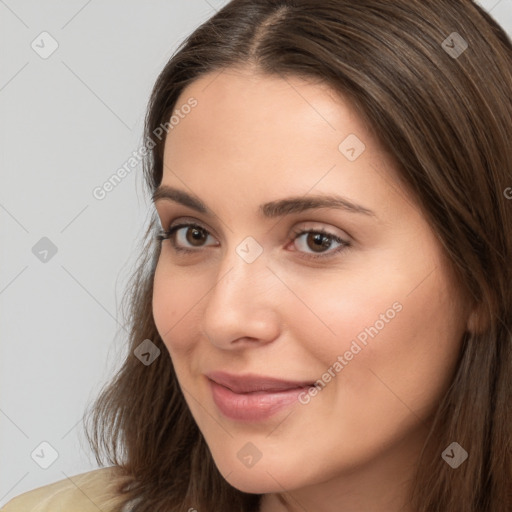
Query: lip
x,y
251,382
251,397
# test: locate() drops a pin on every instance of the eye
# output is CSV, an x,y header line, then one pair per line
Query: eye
x,y
194,235
320,239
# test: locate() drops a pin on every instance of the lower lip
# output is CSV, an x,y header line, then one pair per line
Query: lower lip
x,y
254,406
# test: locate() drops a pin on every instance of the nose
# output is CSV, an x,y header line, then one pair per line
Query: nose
x,y
242,308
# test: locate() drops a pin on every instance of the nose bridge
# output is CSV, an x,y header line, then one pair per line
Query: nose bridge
x,y
239,305
243,273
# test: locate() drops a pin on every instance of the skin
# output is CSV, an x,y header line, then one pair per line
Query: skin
x,y
252,139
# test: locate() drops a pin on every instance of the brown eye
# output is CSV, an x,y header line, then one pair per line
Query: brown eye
x,y
318,241
190,238
315,243
184,236
195,235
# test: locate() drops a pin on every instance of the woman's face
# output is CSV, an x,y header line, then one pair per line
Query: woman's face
x,y
377,323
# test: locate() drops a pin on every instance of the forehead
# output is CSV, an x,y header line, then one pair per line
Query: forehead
x,y
239,110
266,132
242,103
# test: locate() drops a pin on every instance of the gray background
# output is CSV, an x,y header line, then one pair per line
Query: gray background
x,y
67,123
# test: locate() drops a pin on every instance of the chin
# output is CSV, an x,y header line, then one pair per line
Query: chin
x,y
262,478
246,481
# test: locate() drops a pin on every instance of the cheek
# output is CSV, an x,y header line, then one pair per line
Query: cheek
x,y
175,307
398,333
335,312
405,364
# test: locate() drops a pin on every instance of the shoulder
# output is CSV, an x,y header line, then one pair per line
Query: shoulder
x,y
86,492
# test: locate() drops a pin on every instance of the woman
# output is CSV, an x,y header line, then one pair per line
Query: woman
x,y
322,317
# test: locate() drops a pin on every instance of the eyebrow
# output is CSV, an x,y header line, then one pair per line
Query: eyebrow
x,y
272,209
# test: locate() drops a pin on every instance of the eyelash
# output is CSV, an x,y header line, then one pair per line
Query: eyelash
x,y
167,235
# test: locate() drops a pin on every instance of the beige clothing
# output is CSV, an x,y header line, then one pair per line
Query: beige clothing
x,y
86,492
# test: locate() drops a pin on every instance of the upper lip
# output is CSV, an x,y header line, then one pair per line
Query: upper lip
x,y
251,382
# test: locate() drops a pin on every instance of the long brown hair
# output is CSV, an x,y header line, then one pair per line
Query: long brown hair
x,y
433,79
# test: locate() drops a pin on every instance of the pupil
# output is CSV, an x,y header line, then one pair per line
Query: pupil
x,y
318,237
197,234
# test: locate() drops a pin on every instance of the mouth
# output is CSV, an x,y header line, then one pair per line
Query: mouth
x,y
250,383
254,399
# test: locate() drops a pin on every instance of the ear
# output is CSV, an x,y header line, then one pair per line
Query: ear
x,y
478,320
